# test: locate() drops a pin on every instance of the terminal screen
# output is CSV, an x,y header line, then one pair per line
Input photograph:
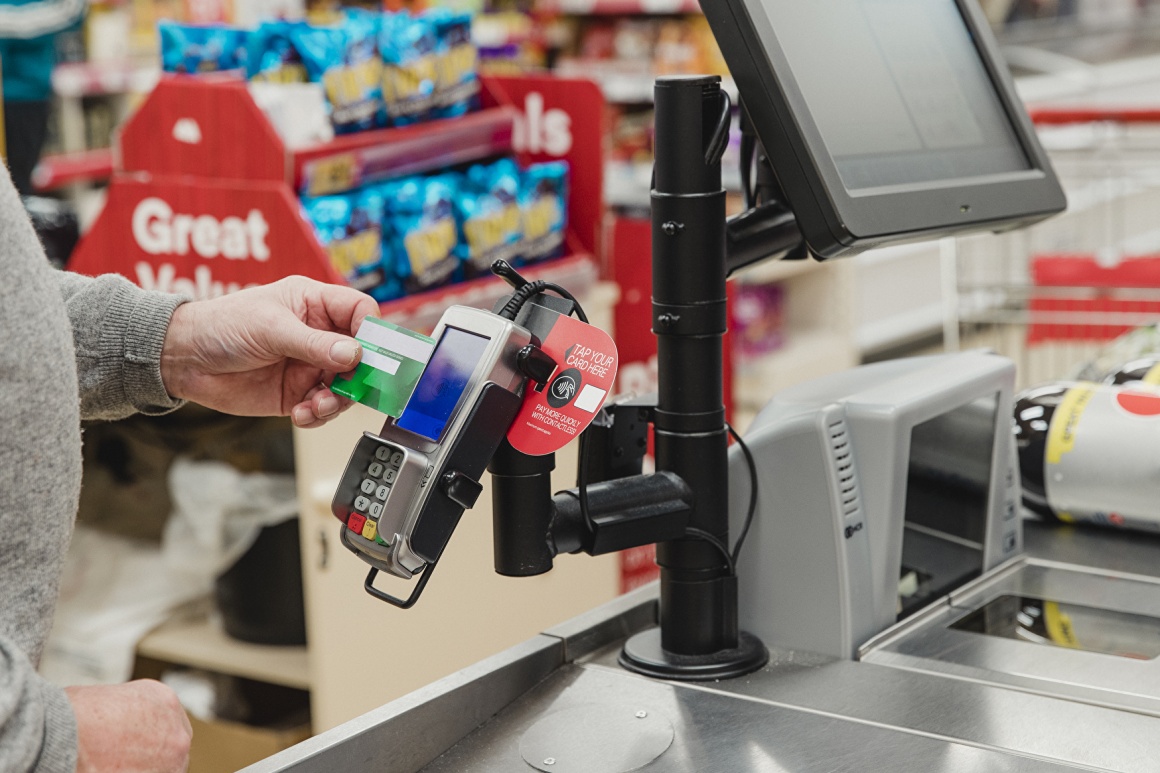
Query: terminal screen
x,y
947,496
443,381
898,91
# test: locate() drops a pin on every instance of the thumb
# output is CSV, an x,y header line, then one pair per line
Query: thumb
x,y
319,348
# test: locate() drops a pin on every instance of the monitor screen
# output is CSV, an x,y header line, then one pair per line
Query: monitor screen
x,y
446,376
897,89
885,121
947,495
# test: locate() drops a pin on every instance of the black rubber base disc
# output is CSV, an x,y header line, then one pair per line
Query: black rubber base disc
x,y
643,654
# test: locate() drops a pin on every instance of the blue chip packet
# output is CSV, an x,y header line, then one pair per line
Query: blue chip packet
x,y
349,226
543,210
421,223
344,58
489,216
272,55
457,84
410,67
189,48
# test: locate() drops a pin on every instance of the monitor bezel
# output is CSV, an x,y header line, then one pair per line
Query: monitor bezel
x,y
836,222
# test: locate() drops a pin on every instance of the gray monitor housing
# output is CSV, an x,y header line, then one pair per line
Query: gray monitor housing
x,y
881,489
885,121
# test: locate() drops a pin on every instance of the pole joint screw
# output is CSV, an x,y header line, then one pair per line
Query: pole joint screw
x,y
672,228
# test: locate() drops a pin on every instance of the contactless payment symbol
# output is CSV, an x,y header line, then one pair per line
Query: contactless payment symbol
x,y
586,360
564,387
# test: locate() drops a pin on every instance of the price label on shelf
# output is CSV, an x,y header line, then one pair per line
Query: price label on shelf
x,y
332,174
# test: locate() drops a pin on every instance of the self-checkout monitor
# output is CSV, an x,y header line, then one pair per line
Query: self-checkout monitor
x,y
885,120
881,490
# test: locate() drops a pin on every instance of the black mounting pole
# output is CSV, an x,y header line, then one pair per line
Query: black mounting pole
x,y
698,636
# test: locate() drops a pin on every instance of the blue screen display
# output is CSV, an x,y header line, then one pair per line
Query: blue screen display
x,y
442,383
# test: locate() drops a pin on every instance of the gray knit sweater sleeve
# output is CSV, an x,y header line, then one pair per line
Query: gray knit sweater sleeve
x,y
53,326
118,330
37,726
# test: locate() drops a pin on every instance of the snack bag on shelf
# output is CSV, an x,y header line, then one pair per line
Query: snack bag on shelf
x,y
420,223
410,68
349,226
457,63
711,59
675,51
757,319
188,48
273,56
543,203
488,211
345,60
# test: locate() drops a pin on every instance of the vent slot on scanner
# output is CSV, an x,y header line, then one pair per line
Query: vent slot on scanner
x,y
848,495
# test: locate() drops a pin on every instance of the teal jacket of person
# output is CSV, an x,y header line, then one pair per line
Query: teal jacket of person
x,y
28,30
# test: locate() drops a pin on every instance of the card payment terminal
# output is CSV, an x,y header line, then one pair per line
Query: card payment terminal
x,y
404,490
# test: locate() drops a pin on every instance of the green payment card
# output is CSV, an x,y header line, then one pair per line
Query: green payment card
x,y
393,358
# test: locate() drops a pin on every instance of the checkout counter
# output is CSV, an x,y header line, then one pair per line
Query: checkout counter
x,y
802,712
891,611
1041,657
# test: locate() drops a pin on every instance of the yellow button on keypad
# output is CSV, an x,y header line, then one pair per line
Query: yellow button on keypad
x,y
369,530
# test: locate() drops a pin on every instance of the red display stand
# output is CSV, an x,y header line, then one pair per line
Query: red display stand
x,y
204,197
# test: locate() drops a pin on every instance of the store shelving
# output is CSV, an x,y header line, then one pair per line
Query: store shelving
x,y
422,311
806,354
64,169
618,7
778,271
201,643
207,150
72,80
353,160
624,84
212,128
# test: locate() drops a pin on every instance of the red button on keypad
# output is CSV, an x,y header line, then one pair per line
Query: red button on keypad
x,y
355,522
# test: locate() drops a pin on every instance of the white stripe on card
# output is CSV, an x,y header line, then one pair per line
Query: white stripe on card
x,y
394,341
380,362
590,398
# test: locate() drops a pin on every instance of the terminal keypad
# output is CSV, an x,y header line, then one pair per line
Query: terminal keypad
x,y
377,481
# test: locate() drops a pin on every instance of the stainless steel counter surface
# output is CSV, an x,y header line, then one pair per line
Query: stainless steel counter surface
x,y
715,730
1118,551
959,710
560,703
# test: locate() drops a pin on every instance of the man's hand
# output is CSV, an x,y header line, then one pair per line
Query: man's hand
x,y
267,351
137,727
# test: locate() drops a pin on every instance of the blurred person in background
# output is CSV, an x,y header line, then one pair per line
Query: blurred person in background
x,y
28,30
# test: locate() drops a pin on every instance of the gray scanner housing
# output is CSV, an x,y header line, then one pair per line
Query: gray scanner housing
x,y
820,568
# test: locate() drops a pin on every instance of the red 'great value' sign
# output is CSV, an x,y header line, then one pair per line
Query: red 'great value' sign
x,y
201,240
